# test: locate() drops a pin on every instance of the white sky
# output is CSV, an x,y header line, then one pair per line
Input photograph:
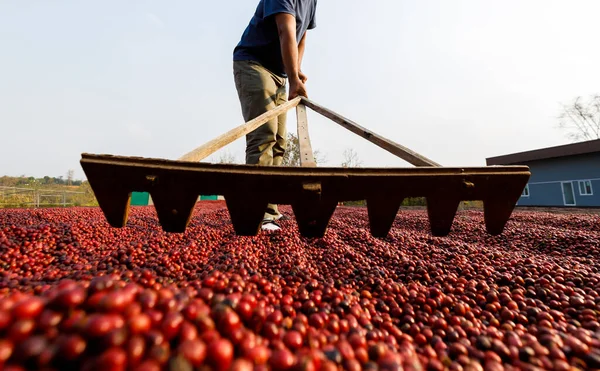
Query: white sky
x,y
456,81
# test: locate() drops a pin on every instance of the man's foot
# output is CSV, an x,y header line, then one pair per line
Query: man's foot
x,y
270,225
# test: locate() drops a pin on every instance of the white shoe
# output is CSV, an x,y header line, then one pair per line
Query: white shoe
x,y
270,225
281,217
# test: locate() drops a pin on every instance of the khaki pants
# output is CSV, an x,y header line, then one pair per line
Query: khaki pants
x,y
259,91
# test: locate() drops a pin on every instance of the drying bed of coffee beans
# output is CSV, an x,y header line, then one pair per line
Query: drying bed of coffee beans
x,y
78,294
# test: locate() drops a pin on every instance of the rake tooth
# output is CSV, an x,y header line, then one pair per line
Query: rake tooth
x,y
313,211
441,213
313,217
112,192
114,203
496,213
246,211
382,213
174,208
498,208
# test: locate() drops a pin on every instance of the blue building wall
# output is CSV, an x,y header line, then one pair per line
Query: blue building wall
x,y
545,185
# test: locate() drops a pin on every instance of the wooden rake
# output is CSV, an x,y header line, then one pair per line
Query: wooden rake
x,y
313,192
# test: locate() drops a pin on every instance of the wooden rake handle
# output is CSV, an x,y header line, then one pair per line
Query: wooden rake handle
x,y
404,153
306,153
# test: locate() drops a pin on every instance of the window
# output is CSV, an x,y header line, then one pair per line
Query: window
x,y
585,188
525,191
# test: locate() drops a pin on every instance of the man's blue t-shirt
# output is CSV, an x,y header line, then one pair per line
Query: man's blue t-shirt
x,y
260,41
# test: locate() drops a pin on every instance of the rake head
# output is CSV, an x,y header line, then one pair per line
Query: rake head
x,y
313,192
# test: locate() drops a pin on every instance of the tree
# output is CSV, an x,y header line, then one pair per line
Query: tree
x,y
70,175
291,156
581,119
9,181
351,158
226,158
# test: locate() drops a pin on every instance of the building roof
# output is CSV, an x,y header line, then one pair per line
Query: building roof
x,y
581,148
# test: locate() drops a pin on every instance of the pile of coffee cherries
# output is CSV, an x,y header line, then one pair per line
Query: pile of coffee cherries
x,y
78,294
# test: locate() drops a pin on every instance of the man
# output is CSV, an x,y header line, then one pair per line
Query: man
x,y
268,55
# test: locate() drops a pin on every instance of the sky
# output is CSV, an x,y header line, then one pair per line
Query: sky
x,y
456,81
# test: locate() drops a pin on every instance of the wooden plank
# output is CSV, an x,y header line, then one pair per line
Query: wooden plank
x,y
214,145
163,164
307,158
404,153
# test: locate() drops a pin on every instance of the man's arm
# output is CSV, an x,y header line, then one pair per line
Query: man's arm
x,y
286,27
300,56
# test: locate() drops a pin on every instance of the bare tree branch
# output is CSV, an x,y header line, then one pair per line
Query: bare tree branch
x,y
226,158
351,159
581,120
70,176
584,116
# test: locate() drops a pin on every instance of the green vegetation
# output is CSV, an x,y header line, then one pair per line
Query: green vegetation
x,y
18,192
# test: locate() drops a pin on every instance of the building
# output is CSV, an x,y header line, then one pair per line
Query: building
x,y
562,176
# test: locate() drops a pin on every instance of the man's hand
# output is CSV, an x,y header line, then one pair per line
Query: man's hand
x,y
297,89
302,77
